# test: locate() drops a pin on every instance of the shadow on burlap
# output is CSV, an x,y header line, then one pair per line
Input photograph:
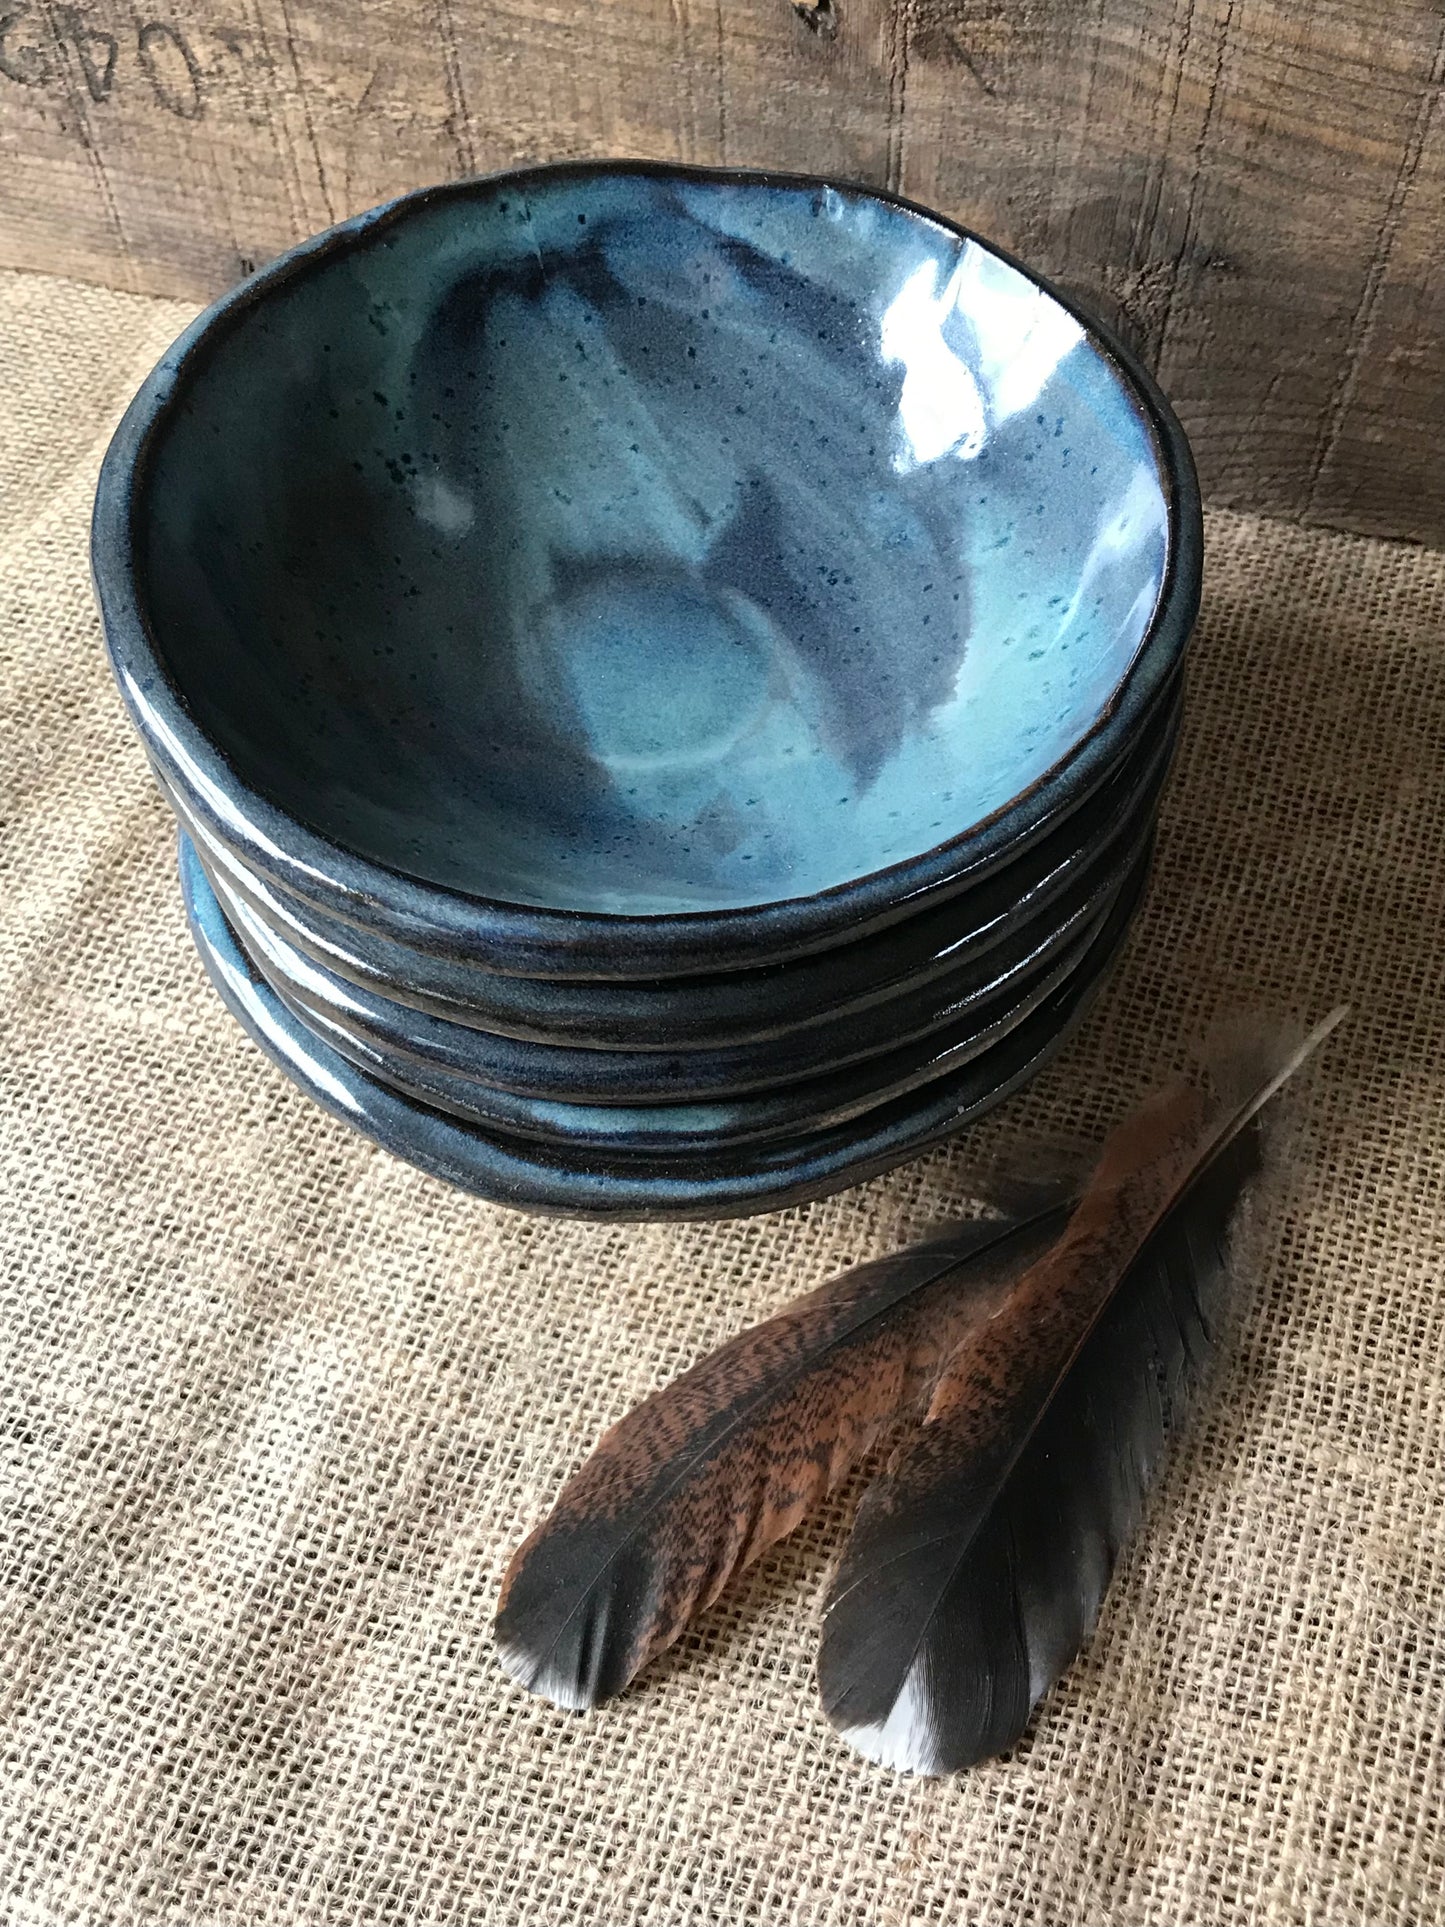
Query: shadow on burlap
x,y
275,1408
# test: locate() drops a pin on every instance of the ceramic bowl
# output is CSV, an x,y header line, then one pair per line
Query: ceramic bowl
x,y
590,1183
736,1006
470,1080
404,1045
624,571
772,1113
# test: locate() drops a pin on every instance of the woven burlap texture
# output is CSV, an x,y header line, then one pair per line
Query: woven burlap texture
x,y
275,1408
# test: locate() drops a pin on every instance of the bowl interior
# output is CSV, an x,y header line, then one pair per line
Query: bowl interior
x,y
637,543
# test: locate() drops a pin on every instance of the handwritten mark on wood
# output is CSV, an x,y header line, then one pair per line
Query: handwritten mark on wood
x,y
967,34
23,56
160,56
172,69
95,48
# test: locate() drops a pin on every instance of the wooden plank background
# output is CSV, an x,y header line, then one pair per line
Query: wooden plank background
x,y
1253,187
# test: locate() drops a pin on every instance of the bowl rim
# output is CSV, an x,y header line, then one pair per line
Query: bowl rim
x,y
551,1180
516,938
458,994
551,1072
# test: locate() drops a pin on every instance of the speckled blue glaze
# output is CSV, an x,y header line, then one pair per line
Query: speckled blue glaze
x,y
591,1183
739,1006
624,569
644,547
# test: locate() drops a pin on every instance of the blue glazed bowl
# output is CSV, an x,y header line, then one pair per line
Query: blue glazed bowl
x,y
773,1114
623,571
599,1180
413,1049
737,1006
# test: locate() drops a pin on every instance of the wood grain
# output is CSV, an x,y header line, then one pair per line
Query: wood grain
x,y
1251,188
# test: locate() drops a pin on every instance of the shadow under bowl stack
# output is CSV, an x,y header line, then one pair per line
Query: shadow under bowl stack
x,y
665,678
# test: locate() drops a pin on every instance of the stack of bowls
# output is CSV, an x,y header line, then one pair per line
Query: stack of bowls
x,y
665,678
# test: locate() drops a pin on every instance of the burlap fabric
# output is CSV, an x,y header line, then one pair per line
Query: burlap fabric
x,y
275,1408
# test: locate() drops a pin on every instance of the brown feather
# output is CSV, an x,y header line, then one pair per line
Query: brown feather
x,y
705,1474
1052,1307
977,1565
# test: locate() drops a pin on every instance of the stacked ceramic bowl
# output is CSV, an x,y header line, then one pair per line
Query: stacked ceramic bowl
x,y
665,678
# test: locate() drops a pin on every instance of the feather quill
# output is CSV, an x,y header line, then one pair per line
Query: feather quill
x,y
977,1565
698,1480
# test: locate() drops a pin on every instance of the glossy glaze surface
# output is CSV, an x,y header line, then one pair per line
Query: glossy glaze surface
x,y
392,621
738,1006
591,1185
403,1044
776,1114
